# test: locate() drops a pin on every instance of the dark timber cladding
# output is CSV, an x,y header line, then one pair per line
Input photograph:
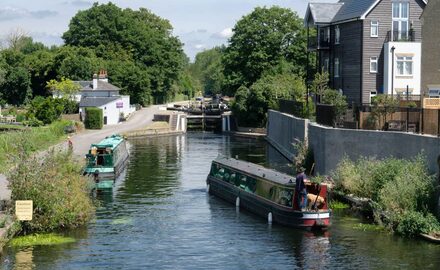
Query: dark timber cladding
x,y
349,53
374,46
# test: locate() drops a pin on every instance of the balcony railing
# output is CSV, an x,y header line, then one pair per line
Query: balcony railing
x,y
401,36
313,43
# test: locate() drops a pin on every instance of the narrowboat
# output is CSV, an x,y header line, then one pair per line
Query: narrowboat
x,y
106,160
268,193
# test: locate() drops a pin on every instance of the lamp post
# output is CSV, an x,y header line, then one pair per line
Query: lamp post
x,y
392,71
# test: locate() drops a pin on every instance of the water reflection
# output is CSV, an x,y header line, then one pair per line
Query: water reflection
x,y
162,218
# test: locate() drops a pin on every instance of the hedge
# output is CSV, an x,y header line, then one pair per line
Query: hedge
x,y
94,118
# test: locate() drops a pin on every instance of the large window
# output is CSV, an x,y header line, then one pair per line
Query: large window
x,y
404,65
337,67
373,65
400,20
326,64
337,35
374,28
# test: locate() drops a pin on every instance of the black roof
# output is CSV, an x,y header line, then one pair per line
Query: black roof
x,y
257,170
102,86
96,101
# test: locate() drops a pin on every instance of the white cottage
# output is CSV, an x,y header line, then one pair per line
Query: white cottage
x,y
99,93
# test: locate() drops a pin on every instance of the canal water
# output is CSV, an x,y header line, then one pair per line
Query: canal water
x,y
160,217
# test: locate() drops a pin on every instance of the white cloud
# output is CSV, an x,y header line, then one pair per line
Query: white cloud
x,y
226,33
199,46
8,13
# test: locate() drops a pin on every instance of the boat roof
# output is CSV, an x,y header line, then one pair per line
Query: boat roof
x,y
257,170
110,141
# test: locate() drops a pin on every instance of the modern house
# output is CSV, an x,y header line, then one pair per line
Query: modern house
x,y
369,47
431,53
101,94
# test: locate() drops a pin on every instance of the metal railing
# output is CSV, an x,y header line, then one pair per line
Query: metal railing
x,y
322,43
401,36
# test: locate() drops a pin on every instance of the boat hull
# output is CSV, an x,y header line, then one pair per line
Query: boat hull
x,y
280,214
108,175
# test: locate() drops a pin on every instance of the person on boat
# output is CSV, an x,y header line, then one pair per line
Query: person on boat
x,y
300,188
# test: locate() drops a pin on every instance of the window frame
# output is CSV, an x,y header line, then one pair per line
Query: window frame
x,y
374,60
337,68
404,60
337,34
376,25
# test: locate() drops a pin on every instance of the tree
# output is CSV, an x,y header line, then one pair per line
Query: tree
x,y
251,105
67,88
110,30
208,69
320,84
260,42
382,105
338,100
46,110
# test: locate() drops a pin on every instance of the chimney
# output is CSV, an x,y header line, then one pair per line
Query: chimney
x,y
95,81
103,75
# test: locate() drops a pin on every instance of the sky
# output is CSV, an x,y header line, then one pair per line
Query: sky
x,y
200,24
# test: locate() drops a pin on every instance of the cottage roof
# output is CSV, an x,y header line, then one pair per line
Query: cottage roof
x,y
327,13
102,86
96,101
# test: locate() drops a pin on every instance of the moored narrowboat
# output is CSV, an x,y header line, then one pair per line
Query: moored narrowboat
x,y
268,193
106,160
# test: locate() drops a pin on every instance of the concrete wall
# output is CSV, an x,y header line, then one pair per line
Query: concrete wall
x,y
283,130
330,145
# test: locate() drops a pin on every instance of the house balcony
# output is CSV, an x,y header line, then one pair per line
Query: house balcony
x,y
401,36
318,43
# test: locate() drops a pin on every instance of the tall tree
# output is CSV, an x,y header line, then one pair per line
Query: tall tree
x,y
208,69
260,42
109,30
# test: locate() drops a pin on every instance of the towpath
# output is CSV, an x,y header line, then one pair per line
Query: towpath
x,y
81,142
139,119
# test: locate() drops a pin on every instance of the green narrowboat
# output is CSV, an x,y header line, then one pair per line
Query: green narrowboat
x,y
268,193
106,160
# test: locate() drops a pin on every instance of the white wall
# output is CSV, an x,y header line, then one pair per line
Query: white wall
x,y
111,112
402,48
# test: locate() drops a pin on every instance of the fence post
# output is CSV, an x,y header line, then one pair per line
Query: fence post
x,y
407,118
438,122
422,122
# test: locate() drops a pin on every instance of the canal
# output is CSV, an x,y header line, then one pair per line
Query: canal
x,y
160,217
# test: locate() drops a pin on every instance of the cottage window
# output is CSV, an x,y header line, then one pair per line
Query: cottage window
x,y
373,65
337,67
337,35
404,65
374,28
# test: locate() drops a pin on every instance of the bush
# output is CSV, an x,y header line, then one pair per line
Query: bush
x,y
94,118
59,193
412,223
69,106
46,110
401,190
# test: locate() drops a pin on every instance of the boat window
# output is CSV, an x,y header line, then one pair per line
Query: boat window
x,y
285,197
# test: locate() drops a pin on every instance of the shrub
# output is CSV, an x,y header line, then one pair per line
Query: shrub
x,y
412,223
94,118
59,193
69,106
46,110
